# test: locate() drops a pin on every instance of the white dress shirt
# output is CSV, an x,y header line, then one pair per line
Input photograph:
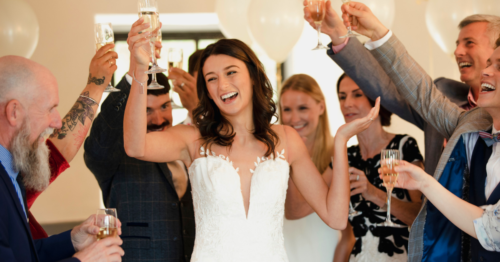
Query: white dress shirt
x,y
493,169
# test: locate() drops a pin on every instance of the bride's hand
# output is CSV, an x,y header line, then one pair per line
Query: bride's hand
x,y
353,128
139,45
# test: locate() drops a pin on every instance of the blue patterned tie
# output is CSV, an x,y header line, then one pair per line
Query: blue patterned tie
x,y
489,138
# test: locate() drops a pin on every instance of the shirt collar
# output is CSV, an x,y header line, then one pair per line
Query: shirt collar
x,y
6,160
494,131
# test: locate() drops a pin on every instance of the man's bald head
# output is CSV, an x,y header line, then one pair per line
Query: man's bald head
x,y
22,79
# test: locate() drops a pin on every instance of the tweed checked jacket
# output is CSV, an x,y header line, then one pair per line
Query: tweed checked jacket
x,y
361,67
156,224
454,123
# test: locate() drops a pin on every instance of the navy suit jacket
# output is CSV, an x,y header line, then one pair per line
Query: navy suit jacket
x,y
156,224
16,243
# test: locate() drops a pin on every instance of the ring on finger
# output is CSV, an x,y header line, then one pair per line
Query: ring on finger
x,y
182,84
357,178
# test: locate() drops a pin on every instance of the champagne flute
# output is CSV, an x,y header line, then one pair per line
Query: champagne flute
x,y
350,33
106,220
154,84
148,9
175,59
317,9
103,36
389,159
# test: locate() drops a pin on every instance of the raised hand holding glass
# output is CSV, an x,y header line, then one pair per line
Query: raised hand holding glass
x,y
350,33
104,35
148,9
317,9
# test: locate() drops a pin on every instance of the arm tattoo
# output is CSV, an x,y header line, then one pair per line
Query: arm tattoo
x,y
97,81
80,111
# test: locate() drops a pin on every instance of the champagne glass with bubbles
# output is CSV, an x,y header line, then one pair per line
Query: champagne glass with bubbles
x,y
103,36
350,33
317,9
154,83
175,58
148,9
389,159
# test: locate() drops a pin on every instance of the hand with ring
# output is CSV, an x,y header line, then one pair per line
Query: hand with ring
x,y
360,184
185,86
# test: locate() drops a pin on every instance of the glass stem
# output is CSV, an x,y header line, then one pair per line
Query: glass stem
x,y
319,33
389,193
153,57
153,78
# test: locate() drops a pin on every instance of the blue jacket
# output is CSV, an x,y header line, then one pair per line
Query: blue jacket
x,y
16,243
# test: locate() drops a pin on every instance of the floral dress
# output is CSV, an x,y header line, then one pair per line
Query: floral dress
x,y
380,243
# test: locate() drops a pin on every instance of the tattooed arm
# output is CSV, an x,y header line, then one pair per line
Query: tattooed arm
x,y
76,123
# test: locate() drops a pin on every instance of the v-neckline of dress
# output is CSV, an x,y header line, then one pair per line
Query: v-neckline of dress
x,y
260,160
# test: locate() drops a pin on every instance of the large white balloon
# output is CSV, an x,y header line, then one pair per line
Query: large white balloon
x,y
276,25
442,18
18,28
233,19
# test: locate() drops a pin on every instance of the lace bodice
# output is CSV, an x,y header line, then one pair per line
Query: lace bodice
x,y
223,230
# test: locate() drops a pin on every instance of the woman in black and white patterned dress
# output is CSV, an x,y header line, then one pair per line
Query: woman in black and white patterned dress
x,y
362,240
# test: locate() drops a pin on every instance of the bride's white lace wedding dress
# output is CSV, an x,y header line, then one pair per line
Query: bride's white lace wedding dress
x,y
223,231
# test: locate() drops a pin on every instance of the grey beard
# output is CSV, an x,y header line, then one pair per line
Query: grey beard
x,y
31,160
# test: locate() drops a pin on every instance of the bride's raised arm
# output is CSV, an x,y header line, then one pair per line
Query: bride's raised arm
x,y
172,144
331,204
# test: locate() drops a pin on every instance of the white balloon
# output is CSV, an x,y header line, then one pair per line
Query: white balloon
x,y
442,18
276,25
233,19
18,28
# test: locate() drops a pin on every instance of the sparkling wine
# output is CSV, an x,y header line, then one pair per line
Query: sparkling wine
x,y
388,174
317,9
150,17
105,232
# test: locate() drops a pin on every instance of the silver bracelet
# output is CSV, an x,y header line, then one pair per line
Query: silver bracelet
x,y
142,84
89,98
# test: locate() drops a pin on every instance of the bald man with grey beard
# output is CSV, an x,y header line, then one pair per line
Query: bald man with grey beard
x,y
28,114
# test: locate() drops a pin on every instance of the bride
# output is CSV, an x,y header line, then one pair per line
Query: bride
x,y
239,163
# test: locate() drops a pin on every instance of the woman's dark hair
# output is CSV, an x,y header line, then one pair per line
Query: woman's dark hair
x,y
194,61
214,128
385,115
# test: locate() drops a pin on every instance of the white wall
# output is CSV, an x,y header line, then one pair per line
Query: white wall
x,y
66,47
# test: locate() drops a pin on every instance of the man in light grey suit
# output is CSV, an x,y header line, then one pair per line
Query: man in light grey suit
x,y
474,45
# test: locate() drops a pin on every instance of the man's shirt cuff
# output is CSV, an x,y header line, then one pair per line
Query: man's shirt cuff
x,y
371,45
129,79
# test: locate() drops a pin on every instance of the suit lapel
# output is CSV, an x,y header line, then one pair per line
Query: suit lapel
x,y
14,196
10,187
167,173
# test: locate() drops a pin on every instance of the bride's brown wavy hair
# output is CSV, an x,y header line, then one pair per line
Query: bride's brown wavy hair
x,y
213,126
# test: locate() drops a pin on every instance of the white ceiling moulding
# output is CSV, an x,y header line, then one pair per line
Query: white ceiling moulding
x,y
181,22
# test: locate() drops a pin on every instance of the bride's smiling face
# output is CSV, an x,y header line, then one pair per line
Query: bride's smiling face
x,y
228,83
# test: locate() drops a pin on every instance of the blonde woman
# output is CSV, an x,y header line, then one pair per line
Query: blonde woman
x,y
302,106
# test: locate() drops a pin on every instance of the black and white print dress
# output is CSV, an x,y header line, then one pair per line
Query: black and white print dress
x,y
380,243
